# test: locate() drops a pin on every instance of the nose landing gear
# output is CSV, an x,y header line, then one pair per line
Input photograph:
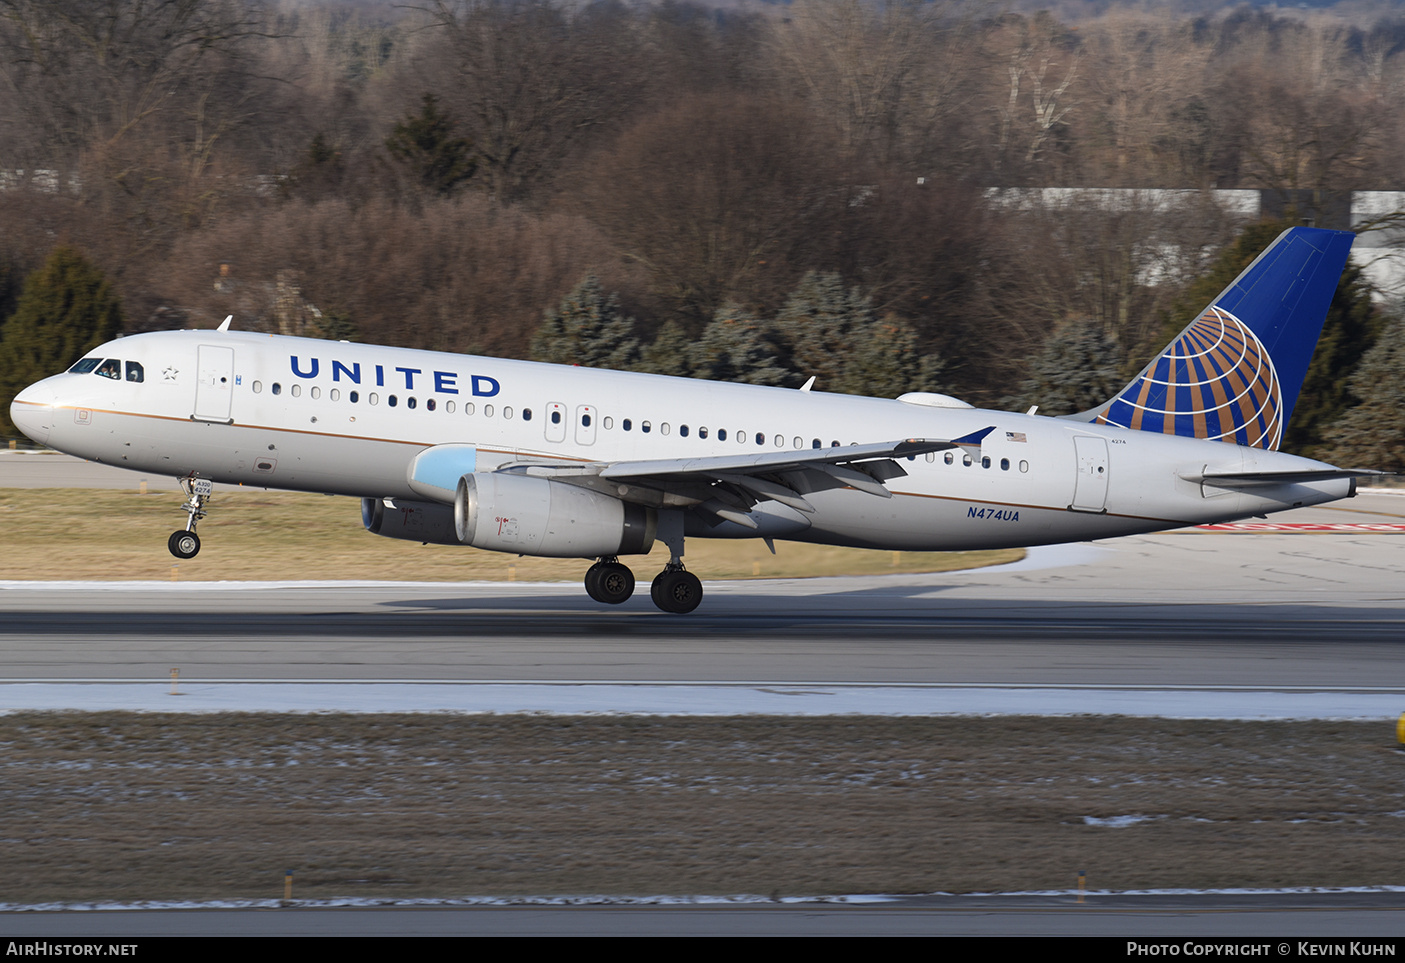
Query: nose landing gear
x,y
185,543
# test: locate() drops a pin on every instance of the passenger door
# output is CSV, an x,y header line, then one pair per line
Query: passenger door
x,y
214,386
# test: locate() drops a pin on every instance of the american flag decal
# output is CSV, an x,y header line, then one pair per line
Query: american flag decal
x,y
1015,436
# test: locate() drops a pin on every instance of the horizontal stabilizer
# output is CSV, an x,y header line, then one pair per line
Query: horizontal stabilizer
x,y
1251,479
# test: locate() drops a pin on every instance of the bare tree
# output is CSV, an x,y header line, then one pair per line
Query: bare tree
x,y
884,74
1145,68
461,274
1309,122
722,197
87,75
530,81
1041,60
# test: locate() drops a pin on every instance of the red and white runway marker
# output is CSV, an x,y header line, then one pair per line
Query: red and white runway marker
x,y
1345,528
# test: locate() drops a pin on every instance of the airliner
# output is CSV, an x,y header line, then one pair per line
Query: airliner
x,y
550,460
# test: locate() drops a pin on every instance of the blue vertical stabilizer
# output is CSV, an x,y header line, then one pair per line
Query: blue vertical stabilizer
x,y
1234,373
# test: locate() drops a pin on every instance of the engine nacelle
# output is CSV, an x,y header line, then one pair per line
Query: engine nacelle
x,y
413,521
527,515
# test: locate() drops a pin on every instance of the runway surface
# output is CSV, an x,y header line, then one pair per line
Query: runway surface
x,y
1307,612
1229,615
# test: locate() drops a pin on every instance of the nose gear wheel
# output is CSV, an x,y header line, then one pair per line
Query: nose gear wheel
x,y
185,543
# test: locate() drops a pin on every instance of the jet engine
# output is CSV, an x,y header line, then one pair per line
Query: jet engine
x,y
528,515
413,521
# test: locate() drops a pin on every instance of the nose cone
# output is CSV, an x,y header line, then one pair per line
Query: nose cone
x,y
32,411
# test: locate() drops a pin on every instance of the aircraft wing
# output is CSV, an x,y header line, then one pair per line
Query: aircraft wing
x,y
728,486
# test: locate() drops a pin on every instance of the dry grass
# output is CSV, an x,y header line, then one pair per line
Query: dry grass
x,y
251,534
118,806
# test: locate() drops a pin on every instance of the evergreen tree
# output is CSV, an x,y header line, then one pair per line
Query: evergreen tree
x,y
1076,370
66,309
1352,327
885,362
668,353
426,142
587,329
733,347
830,332
1372,434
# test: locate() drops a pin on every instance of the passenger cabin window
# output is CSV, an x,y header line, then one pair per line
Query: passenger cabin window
x,y
85,366
111,368
134,372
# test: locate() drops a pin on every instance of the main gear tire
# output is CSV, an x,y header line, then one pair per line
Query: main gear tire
x,y
677,592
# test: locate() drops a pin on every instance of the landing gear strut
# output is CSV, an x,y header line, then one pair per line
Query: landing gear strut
x,y
674,589
610,582
185,543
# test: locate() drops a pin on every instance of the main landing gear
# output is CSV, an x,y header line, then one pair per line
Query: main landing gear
x,y
674,590
608,581
185,543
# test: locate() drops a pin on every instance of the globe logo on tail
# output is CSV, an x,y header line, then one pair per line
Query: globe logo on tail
x,y
1215,381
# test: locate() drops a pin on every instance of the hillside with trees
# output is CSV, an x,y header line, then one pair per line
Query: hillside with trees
x,y
752,191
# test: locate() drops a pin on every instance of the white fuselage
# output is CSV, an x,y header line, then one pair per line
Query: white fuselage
x,y
278,412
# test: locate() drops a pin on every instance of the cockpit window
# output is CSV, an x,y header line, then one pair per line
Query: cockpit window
x,y
84,366
111,368
134,372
